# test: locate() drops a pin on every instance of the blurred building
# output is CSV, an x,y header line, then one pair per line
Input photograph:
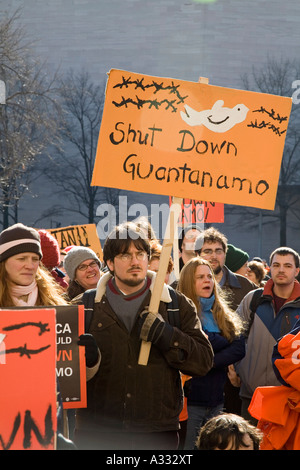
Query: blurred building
x,y
184,39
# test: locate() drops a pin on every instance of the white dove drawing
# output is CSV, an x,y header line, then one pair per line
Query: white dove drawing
x,y
216,119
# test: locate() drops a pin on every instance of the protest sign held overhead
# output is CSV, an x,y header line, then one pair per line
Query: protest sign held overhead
x,y
28,395
192,140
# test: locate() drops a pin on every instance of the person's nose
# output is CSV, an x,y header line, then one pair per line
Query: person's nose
x,y
30,264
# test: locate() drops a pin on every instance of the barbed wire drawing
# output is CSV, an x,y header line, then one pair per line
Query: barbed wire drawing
x,y
44,327
24,351
269,124
158,87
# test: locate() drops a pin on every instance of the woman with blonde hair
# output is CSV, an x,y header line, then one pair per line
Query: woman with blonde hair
x,y
23,280
224,330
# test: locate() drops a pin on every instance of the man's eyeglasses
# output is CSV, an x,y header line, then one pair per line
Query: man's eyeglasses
x,y
208,251
126,257
83,267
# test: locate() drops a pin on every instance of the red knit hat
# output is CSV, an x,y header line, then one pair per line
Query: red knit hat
x,y
50,249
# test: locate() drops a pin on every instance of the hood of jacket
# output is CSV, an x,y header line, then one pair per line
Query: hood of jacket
x,y
101,287
268,290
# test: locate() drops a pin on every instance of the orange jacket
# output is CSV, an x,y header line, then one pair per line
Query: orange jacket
x,y
184,413
278,408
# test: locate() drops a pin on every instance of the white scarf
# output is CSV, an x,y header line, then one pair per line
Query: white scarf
x,y
20,291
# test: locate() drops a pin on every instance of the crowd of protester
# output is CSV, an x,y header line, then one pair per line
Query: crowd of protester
x,y
220,373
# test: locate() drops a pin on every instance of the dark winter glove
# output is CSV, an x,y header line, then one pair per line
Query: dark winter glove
x,y
154,329
91,349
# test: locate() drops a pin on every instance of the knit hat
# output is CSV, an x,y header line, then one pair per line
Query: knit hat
x,y
75,256
235,258
50,249
68,248
19,239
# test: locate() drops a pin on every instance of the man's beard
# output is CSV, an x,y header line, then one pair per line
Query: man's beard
x,y
218,269
132,282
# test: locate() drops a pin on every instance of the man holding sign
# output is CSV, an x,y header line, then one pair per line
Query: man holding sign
x,y
133,406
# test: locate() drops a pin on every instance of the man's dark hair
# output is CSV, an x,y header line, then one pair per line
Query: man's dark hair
x,y
213,235
120,239
283,251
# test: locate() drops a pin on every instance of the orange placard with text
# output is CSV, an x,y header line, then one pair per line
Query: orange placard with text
x,y
191,140
28,396
70,365
197,212
78,235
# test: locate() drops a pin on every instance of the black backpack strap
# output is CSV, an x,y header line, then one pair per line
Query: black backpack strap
x,y
88,298
173,309
255,301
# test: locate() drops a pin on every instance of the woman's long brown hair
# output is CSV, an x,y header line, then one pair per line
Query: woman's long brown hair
x,y
227,319
49,292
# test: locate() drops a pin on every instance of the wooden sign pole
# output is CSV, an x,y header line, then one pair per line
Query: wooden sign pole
x,y
176,256
175,210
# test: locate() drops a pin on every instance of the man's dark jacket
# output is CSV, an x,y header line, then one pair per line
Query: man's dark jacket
x,y
126,396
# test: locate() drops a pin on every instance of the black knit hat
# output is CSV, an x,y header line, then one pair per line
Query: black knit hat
x,y
19,239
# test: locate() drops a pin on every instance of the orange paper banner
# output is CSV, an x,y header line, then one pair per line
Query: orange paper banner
x,y
191,140
28,398
78,235
197,212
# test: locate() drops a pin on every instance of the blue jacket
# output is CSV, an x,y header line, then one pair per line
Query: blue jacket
x,y
208,390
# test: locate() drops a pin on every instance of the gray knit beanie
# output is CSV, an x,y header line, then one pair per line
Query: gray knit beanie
x,y
19,239
75,257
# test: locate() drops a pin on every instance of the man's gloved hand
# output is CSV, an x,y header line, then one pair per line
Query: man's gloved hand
x,y
154,329
91,349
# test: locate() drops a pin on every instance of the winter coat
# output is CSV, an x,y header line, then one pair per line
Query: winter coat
x,y
277,409
256,369
208,391
125,396
237,286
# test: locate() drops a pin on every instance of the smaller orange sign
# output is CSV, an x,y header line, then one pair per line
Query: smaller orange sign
x,y
196,212
78,235
28,407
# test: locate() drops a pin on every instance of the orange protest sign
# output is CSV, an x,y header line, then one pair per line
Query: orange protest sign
x,y
196,212
192,140
28,397
79,235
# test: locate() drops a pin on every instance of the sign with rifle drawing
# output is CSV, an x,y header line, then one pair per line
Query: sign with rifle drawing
x,y
28,395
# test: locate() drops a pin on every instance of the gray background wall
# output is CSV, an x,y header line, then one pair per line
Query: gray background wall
x,y
184,39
